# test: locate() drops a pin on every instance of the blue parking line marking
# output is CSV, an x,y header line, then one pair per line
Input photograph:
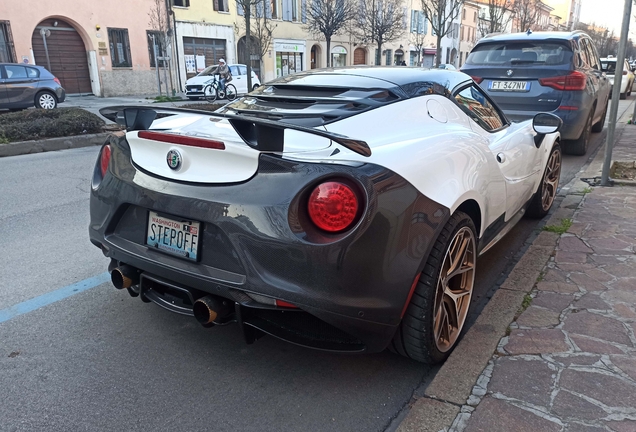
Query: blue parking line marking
x,y
52,297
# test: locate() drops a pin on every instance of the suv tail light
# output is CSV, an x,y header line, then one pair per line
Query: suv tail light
x,y
478,80
56,79
333,206
574,81
104,159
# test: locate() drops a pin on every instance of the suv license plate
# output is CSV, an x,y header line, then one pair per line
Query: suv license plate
x,y
520,86
177,237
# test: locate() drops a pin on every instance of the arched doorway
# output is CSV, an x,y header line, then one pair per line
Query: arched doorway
x,y
359,56
66,54
453,56
315,56
255,57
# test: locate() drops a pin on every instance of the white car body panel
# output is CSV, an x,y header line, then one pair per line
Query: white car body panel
x,y
455,161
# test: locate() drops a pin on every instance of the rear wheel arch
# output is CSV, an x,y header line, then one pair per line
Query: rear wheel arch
x,y
472,209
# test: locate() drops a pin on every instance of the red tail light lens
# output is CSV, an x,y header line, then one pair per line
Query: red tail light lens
x,y
624,72
182,139
104,159
478,80
57,81
282,303
574,81
333,206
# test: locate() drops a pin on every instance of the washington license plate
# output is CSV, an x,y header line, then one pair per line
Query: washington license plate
x,y
520,86
177,237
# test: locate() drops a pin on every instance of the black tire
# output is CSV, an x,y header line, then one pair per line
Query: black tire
x,y
415,337
230,92
598,126
210,93
546,192
45,100
254,87
578,147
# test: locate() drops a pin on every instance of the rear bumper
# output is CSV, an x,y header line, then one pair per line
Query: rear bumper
x,y
256,240
61,95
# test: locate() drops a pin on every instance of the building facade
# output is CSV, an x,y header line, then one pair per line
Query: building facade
x,y
92,47
468,30
116,49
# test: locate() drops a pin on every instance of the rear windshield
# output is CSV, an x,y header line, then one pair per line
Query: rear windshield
x,y
517,53
608,66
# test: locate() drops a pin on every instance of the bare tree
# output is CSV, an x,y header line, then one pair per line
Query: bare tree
x,y
527,14
327,18
441,14
245,8
381,21
161,36
418,41
262,31
500,13
605,41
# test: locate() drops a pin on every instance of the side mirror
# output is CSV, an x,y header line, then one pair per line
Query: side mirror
x,y
543,124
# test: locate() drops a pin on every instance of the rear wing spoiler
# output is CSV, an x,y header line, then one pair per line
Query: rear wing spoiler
x,y
258,133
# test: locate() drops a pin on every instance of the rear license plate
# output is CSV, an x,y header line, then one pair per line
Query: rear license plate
x,y
520,86
177,237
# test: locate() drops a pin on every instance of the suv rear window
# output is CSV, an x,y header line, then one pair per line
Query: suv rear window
x,y
520,53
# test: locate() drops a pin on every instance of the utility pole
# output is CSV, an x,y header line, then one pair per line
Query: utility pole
x,y
616,92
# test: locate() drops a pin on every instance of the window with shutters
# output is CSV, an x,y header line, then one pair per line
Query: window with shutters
x,y
220,5
119,47
274,9
7,50
389,57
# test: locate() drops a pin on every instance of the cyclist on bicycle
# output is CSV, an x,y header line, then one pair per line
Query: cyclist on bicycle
x,y
224,72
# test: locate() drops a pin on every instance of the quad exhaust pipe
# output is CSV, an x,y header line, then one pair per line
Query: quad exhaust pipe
x,y
209,310
124,276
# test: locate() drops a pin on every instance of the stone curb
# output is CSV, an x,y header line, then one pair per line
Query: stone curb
x,y
458,377
52,144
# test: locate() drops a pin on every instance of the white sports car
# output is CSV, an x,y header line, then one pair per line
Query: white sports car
x,y
338,209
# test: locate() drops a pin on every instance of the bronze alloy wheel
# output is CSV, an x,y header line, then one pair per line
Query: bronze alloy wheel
x,y
551,180
454,289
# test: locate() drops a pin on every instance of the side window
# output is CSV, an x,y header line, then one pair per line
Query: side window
x,y
592,55
32,72
475,104
243,70
234,71
15,72
583,53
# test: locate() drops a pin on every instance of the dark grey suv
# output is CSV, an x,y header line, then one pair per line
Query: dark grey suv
x,y
558,72
24,86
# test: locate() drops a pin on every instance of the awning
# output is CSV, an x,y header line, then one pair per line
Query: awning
x,y
399,52
430,51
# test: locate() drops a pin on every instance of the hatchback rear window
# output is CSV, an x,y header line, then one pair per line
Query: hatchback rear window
x,y
520,53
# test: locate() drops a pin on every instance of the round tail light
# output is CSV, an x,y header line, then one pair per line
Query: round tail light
x,y
333,206
104,159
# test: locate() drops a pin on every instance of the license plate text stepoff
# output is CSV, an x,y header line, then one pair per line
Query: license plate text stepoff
x,y
176,237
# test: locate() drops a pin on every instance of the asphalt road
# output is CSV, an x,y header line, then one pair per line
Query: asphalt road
x,y
101,360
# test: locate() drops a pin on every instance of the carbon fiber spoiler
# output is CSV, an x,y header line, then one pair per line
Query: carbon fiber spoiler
x,y
258,133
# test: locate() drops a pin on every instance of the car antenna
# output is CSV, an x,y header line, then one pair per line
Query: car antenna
x,y
529,32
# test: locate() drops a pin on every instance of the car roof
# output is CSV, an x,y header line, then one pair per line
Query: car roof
x,y
532,36
407,82
320,96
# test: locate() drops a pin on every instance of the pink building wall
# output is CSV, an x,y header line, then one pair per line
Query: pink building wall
x,y
91,19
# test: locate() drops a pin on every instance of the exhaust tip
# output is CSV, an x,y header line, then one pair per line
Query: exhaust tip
x,y
203,310
124,276
209,310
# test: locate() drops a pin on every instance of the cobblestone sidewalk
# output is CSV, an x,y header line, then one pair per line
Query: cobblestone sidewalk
x,y
569,362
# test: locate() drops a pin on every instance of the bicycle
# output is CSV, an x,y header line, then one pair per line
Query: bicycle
x,y
213,91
